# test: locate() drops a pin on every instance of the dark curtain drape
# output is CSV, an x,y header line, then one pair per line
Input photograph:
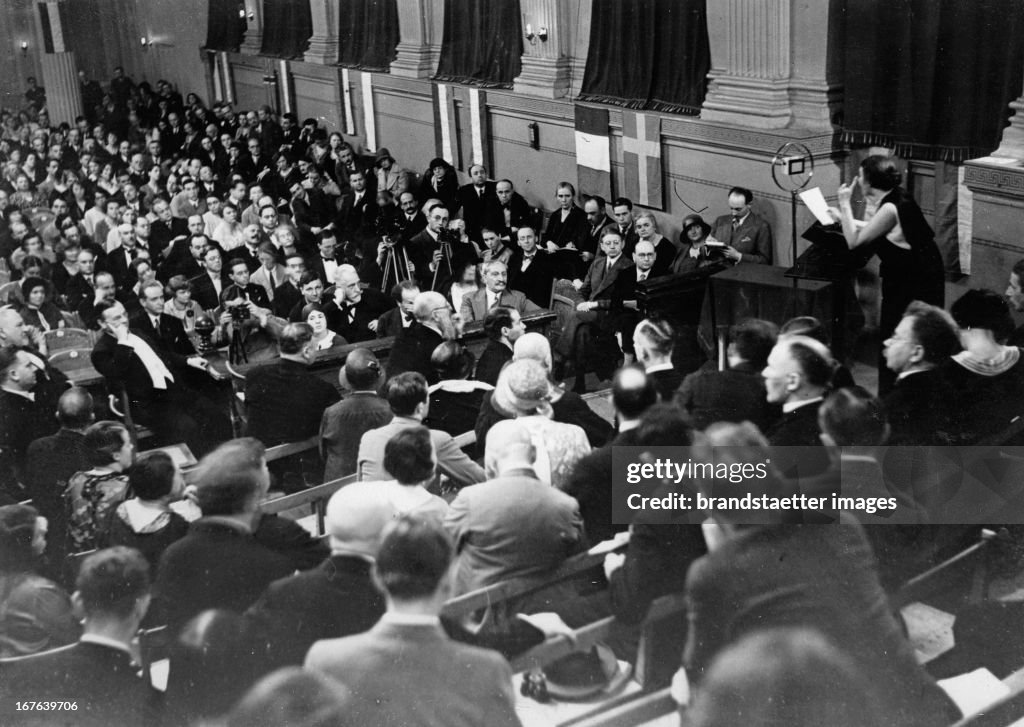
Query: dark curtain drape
x,y
367,33
931,78
225,27
93,32
648,54
483,42
287,27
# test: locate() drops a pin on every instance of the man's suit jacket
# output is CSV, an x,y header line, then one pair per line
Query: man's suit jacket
x,y
121,367
214,566
253,292
535,282
421,248
285,402
356,221
753,238
451,460
412,350
342,427
49,463
629,237
251,168
592,240
411,228
262,277
474,206
414,675
475,308
101,679
204,293
78,291
286,295
335,599
591,485
116,263
511,527
819,577
491,361
315,263
919,409
796,442
371,305
174,343
390,323
521,214
601,278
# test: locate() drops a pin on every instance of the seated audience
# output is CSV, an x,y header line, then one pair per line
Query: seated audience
x,y
820,577
454,400
362,409
92,495
97,673
738,393
514,524
35,613
665,250
409,399
220,563
524,393
398,670
502,326
148,522
284,401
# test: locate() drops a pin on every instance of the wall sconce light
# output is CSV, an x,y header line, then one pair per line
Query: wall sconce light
x,y
145,42
534,131
252,16
24,47
541,34
241,13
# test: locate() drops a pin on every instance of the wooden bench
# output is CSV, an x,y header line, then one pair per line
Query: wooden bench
x,y
970,565
315,496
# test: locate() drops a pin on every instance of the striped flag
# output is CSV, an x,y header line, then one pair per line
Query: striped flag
x,y
641,158
593,151
445,139
478,128
369,120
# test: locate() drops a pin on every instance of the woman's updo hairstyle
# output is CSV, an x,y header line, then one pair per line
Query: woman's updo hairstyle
x,y
880,172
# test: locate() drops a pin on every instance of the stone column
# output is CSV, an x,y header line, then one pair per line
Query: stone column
x,y
60,70
419,47
768,64
323,45
1012,144
254,27
545,71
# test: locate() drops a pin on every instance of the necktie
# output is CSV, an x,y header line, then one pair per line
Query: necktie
x,y
642,277
494,301
351,313
735,222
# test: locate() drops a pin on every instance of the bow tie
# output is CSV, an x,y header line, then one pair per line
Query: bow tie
x,y
327,259
529,257
408,317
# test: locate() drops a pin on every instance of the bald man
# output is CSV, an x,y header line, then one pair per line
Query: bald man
x,y
513,525
436,323
337,598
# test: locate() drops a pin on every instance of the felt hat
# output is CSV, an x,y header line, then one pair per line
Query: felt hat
x,y
585,675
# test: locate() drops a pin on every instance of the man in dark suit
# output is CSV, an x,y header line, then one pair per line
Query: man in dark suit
x,y
503,326
254,163
822,577
747,236
220,564
118,262
157,397
475,198
353,312
918,406
343,424
208,286
495,293
326,260
412,219
622,211
81,286
529,269
284,401
50,461
396,669
797,374
435,271
242,288
736,394
97,673
287,294
357,214
338,598
434,325
23,419
653,342
165,330
591,315
597,220
396,320
508,211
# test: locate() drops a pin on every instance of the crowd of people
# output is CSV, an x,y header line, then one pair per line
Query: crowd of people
x,y
154,218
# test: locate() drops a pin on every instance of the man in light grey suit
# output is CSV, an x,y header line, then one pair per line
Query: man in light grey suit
x,y
409,399
495,292
513,525
405,670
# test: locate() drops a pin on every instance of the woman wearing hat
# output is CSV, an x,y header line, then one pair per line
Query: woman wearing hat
x,y
38,309
390,177
694,253
524,393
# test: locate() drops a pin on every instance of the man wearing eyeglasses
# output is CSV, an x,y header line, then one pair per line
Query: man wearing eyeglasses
x,y
436,322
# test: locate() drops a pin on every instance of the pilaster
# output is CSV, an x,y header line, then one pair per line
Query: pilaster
x,y
323,45
419,47
545,61
253,42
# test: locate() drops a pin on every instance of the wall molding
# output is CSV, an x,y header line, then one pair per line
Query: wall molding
x,y
1007,182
